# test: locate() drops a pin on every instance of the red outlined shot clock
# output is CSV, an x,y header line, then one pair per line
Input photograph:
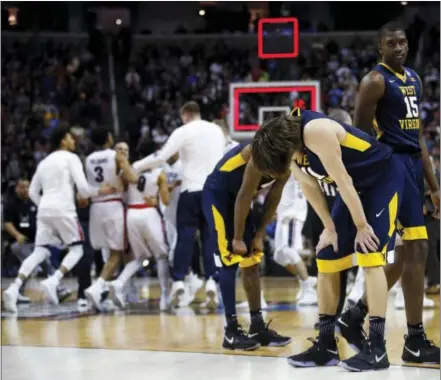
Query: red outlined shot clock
x,y
278,38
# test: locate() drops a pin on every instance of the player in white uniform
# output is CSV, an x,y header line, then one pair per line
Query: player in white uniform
x,y
57,221
107,215
288,240
146,232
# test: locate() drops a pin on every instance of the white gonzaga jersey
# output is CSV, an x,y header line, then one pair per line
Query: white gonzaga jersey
x,y
147,186
55,177
173,173
101,169
293,203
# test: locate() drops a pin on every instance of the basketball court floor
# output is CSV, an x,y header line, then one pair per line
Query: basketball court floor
x,y
49,343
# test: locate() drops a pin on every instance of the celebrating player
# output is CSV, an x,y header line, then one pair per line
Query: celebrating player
x,y
370,182
389,101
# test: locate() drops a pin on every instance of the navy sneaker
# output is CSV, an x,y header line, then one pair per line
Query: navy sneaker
x,y
373,357
352,330
236,339
418,349
267,337
321,354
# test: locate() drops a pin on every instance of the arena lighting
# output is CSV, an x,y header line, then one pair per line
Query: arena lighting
x,y
201,12
404,3
118,21
145,263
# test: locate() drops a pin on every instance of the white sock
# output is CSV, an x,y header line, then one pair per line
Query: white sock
x,y
163,273
74,255
58,275
100,282
129,271
17,282
33,261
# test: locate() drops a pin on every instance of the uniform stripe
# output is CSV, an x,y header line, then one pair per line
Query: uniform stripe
x,y
233,163
354,142
291,237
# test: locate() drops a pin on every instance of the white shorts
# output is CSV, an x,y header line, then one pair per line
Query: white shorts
x,y
107,225
58,231
288,241
146,232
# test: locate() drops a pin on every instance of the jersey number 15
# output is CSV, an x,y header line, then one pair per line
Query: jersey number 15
x,y
412,106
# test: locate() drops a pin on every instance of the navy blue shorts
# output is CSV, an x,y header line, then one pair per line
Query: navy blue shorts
x,y
381,205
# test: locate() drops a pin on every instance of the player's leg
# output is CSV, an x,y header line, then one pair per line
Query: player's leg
x,y
43,238
187,222
69,229
156,239
324,351
220,222
417,347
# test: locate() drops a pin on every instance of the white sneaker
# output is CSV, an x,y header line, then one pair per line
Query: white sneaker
x,y
176,292
93,294
10,296
211,292
116,293
22,299
82,305
358,288
50,289
428,303
194,283
132,295
163,302
308,297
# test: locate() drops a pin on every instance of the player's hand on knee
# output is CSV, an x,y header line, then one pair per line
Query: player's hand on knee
x,y
239,247
435,200
366,240
327,238
257,244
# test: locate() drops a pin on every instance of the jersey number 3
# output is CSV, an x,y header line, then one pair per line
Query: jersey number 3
x,y
99,174
412,106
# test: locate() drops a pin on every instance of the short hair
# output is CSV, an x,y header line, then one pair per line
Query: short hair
x,y
275,142
57,136
99,136
340,115
392,26
191,108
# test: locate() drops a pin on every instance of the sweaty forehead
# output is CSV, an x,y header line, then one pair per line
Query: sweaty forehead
x,y
394,35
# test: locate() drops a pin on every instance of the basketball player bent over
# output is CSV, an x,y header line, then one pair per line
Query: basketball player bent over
x,y
57,221
389,102
370,182
226,202
107,216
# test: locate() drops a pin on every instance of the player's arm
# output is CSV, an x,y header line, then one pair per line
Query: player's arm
x,y
429,174
128,174
171,147
85,190
321,137
164,192
369,94
314,194
242,206
272,200
35,188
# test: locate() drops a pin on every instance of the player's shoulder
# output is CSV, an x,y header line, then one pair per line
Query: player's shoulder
x,y
373,78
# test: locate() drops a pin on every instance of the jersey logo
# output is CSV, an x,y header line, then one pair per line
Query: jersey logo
x,y
391,80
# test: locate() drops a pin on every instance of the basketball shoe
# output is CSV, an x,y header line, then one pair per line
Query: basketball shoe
x,y
321,354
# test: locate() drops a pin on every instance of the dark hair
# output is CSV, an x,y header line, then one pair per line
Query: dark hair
x,y
191,108
392,26
57,136
275,142
99,136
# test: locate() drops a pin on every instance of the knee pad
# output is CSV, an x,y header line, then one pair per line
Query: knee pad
x,y
287,256
34,260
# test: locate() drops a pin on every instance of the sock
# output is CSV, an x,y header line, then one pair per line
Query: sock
x,y
227,284
326,327
18,282
128,272
163,273
359,311
417,329
58,275
100,282
232,321
376,329
257,318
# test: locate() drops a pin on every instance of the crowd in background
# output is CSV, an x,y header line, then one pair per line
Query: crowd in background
x,y
45,85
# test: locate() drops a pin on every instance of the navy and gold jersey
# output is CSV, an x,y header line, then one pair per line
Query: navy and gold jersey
x,y
363,156
228,174
397,118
